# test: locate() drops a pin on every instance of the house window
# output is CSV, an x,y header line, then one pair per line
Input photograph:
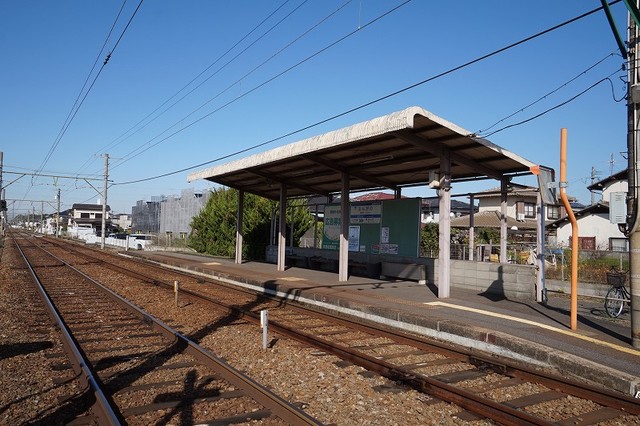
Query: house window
x,y
98,215
529,210
84,215
618,244
553,212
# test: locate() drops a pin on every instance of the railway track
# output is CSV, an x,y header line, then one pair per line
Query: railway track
x,y
476,383
134,369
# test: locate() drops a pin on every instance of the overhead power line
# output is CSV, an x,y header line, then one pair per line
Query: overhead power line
x,y
543,97
79,105
372,102
138,126
131,155
602,80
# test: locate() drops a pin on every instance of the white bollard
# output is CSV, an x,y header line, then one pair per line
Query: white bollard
x,y
264,323
176,287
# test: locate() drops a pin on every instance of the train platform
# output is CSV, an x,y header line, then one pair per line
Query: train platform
x,y
600,350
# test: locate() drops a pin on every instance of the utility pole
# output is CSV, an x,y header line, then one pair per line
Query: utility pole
x,y
632,227
104,199
633,147
3,203
593,180
58,215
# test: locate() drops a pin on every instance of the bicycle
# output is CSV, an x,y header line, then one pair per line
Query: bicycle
x,y
617,295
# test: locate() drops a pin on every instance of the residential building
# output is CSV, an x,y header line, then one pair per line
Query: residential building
x,y
595,230
431,209
89,217
122,221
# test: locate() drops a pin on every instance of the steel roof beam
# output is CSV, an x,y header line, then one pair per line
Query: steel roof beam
x,y
438,149
338,168
289,184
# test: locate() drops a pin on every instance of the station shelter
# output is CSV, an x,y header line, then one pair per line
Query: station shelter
x,y
403,149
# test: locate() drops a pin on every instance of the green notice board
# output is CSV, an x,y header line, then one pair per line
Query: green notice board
x,y
376,227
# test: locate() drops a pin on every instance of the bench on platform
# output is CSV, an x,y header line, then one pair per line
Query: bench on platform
x,y
297,260
323,264
366,269
405,271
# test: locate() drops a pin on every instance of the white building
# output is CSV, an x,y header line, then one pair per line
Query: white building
x,y
595,230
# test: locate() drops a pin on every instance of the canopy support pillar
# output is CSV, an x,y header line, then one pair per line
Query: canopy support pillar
x,y
239,225
503,220
471,227
541,295
343,260
282,228
444,228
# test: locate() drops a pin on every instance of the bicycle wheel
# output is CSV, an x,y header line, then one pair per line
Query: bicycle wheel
x,y
614,301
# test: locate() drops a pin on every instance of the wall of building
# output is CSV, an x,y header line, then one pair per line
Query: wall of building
x,y
619,186
594,225
145,217
494,203
176,212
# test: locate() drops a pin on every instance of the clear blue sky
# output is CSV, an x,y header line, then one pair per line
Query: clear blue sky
x,y
301,66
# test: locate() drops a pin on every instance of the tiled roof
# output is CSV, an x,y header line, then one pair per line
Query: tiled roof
x,y
91,207
374,196
491,219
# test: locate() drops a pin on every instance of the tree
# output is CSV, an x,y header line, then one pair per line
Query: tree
x,y
214,228
429,245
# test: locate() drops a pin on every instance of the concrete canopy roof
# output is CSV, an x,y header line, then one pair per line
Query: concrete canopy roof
x,y
396,150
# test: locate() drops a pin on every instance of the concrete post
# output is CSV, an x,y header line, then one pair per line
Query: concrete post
x,y
444,228
282,228
239,227
503,220
472,234
343,261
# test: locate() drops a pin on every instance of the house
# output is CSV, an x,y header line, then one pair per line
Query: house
x,y
431,209
521,204
121,220
595,230
88,217
521,211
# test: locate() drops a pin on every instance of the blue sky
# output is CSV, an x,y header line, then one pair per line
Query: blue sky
x,y
308,61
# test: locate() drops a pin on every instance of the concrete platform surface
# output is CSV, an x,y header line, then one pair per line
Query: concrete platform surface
x,y
600,350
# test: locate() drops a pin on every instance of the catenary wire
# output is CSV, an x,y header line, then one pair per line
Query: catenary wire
x,y
108,57
79,105
602,80
131,155
134,153
543,97
130,132
361,106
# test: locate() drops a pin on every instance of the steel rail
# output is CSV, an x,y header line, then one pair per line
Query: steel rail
x,y
280,407
104,412
474,403
582,390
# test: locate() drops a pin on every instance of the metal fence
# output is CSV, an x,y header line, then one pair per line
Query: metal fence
x,y
593,265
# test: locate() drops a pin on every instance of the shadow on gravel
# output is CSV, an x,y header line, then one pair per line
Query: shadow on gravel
x,y
15,349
